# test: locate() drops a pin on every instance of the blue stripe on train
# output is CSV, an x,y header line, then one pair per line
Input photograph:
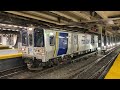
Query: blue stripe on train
x,y
63,43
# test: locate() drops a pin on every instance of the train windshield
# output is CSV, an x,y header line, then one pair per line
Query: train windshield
x,y
38,37
24,39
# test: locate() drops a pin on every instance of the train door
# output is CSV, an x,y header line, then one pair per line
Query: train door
x,y
30,43
50,43
75,43
63,43
81,42
39,44
24,42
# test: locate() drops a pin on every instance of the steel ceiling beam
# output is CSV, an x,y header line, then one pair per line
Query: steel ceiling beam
x,y
47,16
34,17
35,13
102,14
62,14
80,15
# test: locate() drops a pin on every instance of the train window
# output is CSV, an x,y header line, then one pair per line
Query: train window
x,y
52,40
24,39
63,42
30,39
38,37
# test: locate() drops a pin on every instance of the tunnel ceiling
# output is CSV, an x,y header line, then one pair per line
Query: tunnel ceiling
x,y
111,19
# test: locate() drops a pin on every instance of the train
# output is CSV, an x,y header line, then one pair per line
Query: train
x,y
46,47
8,39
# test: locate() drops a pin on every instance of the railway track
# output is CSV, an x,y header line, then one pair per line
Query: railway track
x,y
96,69
100,74
31,74
12,71
68,75
73,74
79,71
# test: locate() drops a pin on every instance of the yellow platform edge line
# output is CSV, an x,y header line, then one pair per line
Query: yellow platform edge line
x,y
9,49
10,56
114,72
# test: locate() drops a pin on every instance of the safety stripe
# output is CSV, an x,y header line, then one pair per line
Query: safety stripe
x,y
10,56
56,45
114,72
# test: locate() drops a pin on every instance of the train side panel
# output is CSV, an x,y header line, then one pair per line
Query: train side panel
x,y
88,43
74,43
50,41
81,42
69,49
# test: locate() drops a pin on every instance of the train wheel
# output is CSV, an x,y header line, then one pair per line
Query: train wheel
x,y
50,63
29,65
65,59
69,59
56,62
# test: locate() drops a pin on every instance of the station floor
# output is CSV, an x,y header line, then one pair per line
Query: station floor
x,y
114,72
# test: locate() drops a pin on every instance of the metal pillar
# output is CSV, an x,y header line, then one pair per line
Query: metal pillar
x,y
100,40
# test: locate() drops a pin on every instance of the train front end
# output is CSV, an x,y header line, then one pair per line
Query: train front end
x,y
33,47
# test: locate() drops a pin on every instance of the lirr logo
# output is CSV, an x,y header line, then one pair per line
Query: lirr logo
x,y
30,50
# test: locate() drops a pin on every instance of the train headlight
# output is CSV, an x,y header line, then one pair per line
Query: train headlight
x,y
23,49
42,53
30,29
104,47
99,48
13,48
10,46
51,34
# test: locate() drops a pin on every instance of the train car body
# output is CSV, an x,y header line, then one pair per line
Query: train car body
x,y
8,39
45,45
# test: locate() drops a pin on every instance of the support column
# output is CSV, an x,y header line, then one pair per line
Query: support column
x,y
100,40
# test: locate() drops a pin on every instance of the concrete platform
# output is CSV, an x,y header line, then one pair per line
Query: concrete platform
x,y
10,58
114,72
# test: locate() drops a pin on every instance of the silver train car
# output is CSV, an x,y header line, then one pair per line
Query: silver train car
x,y
47,47
8,39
